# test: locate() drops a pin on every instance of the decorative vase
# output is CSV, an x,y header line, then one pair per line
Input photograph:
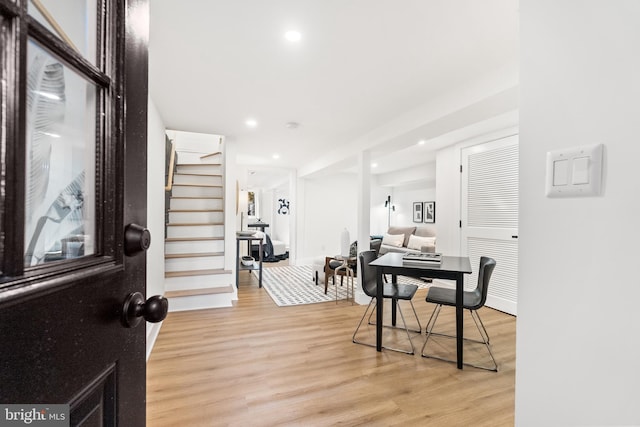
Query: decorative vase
x,y
344,243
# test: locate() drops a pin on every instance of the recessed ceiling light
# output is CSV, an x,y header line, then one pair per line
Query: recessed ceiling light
x,y
422,142
293,36
374,165
276,156
251,123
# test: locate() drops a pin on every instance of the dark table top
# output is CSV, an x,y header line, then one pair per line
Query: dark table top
x,y
249,237
452,264
258,225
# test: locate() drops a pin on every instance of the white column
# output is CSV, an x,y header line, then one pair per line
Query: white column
x,y
364,215
294,210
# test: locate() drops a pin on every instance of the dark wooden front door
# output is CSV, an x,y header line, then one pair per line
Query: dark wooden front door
x,y
73,129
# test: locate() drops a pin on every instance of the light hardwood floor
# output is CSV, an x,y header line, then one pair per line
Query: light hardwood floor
x,y
257,364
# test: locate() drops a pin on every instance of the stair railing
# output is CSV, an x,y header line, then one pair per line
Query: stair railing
x,y
170,167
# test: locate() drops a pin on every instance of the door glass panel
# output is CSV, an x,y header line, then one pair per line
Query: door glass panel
x,y
74,21
60,161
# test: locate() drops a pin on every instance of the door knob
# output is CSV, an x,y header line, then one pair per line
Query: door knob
x,y
135,308
136,239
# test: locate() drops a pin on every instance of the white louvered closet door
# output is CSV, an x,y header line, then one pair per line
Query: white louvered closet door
x,y
489,209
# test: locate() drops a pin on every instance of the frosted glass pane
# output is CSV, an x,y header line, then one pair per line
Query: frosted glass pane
x,y
60,161
73,21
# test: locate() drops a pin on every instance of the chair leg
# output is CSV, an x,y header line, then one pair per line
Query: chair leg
x,y
326,281
453,336
485,337
341,284
360,323
429,327
373,300
413,350
419,330
474,315
481,329
416,314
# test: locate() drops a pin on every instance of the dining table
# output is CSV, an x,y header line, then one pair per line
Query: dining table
x,y
450,268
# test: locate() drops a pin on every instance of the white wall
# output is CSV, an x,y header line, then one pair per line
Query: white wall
x,y
378,218
281,222
403,198
328,206
448,192
448,200
578,329
155,211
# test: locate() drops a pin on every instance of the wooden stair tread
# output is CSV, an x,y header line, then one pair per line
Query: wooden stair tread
x,y
197,174
211,154
203,291
191,239
196,210
197,185
196,272
193,224
197,197
193,255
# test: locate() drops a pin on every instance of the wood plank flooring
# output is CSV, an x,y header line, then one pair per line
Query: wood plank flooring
x,y
257,364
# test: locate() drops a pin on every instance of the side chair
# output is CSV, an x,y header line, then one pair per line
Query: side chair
x,y
395,292
472,301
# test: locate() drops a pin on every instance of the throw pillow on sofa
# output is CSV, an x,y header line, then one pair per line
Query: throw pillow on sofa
x,y
406,231
395,240
417,242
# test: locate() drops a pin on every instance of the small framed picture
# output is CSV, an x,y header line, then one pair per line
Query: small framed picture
x,y
417,212
429,212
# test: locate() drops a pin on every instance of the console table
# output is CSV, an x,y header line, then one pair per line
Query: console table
x,y
257,264
259,225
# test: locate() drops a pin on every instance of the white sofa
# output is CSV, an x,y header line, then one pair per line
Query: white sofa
x,y
423,240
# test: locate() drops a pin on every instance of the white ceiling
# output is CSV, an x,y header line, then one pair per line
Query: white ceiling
x,y
370,74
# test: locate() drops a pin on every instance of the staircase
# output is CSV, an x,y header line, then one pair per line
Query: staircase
x,y
195,274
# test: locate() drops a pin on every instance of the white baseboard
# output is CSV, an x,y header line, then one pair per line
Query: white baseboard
x,y
152,335
200,302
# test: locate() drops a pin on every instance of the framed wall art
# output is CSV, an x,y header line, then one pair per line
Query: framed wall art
x,y
429,212
417,212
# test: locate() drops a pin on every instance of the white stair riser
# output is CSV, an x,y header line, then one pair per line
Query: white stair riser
x,y
195,217
184,283
200,302
187,157
197,179
195,231
194,247
200,168
188,191
194,263
195,204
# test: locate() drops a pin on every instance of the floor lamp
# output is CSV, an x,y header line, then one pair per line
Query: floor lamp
x,y
390,207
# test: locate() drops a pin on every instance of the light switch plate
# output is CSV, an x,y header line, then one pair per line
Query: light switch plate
x,y
575,172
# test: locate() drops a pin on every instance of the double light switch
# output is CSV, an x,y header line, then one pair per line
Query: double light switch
x,y
575,172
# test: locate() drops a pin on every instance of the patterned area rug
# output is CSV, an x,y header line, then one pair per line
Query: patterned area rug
x,y
294,285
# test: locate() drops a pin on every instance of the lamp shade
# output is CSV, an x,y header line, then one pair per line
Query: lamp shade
x,y
344,243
